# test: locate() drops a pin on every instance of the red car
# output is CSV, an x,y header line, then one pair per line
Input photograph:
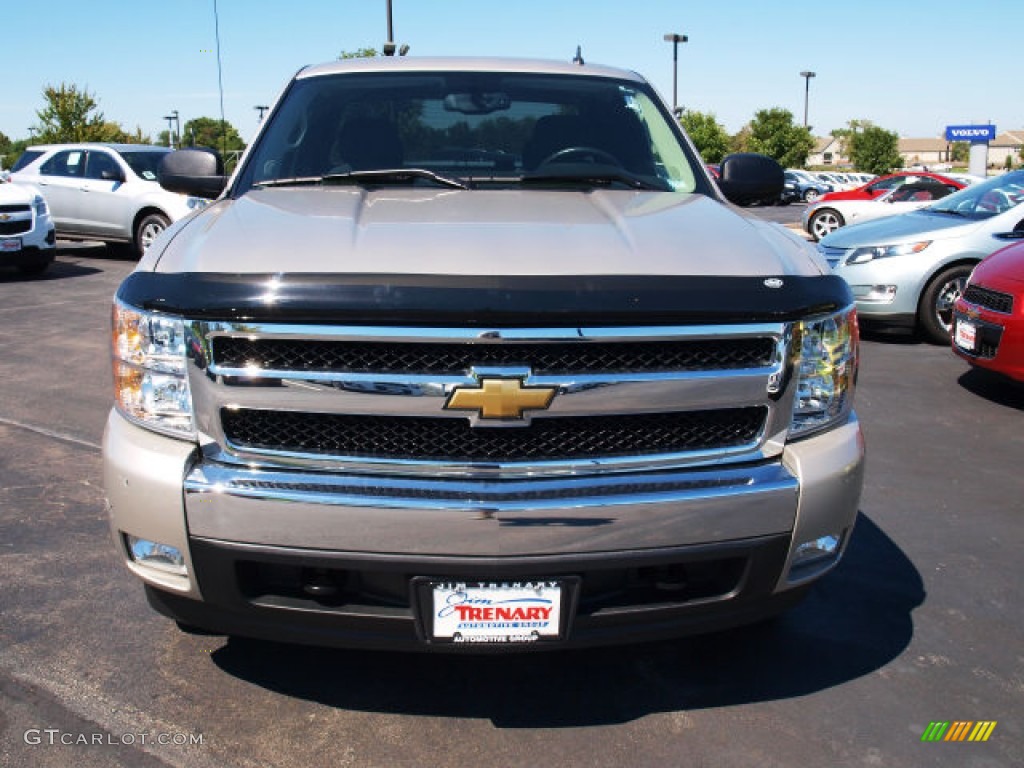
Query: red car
x,y
883,184
988,319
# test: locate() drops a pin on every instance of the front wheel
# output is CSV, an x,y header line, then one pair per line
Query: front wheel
x,y
825,222
146,232
935,313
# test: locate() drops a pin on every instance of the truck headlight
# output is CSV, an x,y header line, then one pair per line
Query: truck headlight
x,y
39,203
826,371
150,381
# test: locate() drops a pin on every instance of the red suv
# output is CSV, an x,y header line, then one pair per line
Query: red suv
x,y
883,184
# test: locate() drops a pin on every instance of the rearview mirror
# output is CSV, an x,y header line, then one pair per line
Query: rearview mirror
x,y
476,103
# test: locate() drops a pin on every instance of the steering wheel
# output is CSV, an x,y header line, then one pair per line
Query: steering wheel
x,y
594,152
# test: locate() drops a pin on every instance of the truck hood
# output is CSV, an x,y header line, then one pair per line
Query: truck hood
x,y
478,232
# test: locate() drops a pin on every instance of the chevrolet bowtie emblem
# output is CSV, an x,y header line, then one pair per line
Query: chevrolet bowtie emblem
x,y
4,217
500,399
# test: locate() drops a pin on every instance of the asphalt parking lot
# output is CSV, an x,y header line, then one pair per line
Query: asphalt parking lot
x,y
920,623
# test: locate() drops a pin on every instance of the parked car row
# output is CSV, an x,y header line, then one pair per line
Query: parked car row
x,y
824,217
909,270
105,192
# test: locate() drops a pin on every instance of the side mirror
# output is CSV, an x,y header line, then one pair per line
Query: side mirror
x,y
112,175
198,172
749,178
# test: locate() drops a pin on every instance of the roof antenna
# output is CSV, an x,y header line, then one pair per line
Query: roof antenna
x,y
578,58
389,45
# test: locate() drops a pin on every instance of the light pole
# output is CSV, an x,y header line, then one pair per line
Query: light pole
x,y
807,75
262,109
172,121
675,39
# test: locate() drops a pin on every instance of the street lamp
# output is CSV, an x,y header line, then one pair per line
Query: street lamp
x,y
172,121
807,75
675,39
262,109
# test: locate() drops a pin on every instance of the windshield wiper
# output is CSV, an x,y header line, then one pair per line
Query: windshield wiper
x,y
947,211
597,176
384,176
294,181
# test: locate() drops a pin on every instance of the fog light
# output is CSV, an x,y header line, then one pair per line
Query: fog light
x,y
875,294
153,554
816,552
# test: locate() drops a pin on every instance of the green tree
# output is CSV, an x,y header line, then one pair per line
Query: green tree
x,y
773,133
361,53
740,142
10,153
875,150
961,152
216,134
710,138
208,132
70,115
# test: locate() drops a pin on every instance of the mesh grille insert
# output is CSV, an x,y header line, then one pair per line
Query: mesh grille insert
x,y
989,299
457,359
445,439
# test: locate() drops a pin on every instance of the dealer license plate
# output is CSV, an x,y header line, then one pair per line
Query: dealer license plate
x,y
11,244
966,335
484,612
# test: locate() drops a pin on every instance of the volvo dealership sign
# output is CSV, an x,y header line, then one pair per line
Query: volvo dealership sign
x,y
976,134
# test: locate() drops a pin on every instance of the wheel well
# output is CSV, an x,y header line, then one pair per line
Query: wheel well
x,y
143,214
932,277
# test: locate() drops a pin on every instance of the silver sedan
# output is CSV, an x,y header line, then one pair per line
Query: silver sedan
x,y
909,270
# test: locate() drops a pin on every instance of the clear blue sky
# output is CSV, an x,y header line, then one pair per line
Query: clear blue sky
x,y
911,66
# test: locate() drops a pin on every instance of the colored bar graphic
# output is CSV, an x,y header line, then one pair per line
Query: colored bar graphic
x,y
982,731
958,730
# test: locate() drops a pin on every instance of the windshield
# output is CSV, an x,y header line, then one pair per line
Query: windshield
x,y
476,128
986,199
144,164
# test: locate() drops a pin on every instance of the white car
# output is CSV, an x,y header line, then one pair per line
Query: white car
x,y
106,192
825,217
27,237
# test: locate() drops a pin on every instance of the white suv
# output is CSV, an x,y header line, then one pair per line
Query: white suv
x,y
105,192
26,231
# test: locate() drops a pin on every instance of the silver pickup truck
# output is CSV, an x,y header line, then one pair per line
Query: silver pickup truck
x,y
474,354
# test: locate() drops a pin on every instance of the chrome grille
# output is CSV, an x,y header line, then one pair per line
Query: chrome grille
x,y
989,299
373,399
542,358
424,439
